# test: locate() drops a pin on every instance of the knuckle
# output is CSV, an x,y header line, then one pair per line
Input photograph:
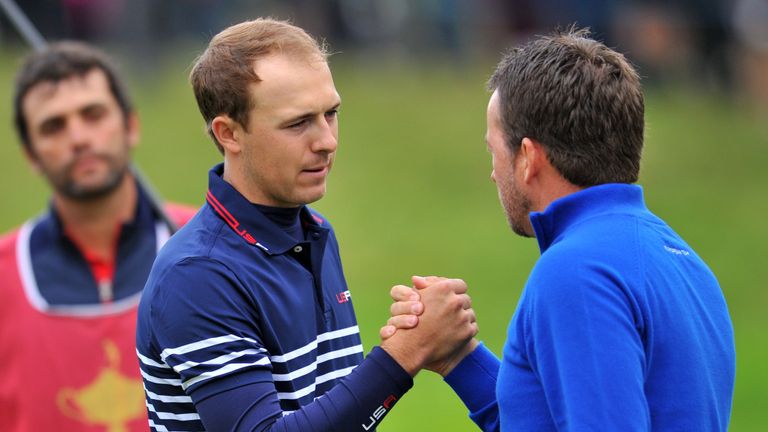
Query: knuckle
x,y
443,288
459,282
457,303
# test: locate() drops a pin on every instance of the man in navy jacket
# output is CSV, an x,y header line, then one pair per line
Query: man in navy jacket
x,y
246,322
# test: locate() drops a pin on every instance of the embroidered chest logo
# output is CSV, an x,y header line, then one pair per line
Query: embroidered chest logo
x,y
343,296
112,399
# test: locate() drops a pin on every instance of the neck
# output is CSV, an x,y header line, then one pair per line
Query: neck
x,y
548,186
93,224
555,193
236,175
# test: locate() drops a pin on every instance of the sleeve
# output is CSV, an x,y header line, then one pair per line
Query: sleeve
x,y
474,381
209,336
583,338
358,402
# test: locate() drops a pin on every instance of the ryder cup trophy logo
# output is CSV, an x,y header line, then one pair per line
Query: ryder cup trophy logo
x,y
111,400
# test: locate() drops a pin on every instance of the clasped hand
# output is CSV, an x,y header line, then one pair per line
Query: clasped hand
x,y
432,325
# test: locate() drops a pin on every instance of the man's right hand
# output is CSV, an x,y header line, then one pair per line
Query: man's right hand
x,y
432,325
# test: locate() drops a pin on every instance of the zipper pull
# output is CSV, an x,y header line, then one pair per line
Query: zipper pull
x,y
106,293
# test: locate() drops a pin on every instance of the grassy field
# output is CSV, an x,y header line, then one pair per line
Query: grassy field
x,y
411,194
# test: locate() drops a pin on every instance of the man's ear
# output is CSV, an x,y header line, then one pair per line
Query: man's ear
x,y
531,154
133,129
227,133
31,158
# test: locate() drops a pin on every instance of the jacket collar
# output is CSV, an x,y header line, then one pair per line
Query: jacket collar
x,y
246,220
563,213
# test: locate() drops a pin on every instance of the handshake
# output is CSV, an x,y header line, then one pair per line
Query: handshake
x,y
432,325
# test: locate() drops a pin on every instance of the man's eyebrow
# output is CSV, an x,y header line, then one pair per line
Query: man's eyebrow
x,y
335,107
92,105
309,114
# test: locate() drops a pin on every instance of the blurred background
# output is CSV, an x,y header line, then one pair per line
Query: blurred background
x,y
410,192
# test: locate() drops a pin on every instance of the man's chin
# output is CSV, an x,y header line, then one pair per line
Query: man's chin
x,y
90,191
519,227
313,193
521,231
85,194
312,198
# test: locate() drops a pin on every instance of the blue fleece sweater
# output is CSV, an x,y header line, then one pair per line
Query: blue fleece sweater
x,y
621,327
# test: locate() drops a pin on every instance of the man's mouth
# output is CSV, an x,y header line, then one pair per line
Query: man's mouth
x,y
86,163
321,169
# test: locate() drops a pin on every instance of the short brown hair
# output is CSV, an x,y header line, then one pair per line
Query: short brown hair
x,y
222,73
580,99
60,61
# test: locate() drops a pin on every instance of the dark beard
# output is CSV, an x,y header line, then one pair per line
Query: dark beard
x,y
517,208
76,193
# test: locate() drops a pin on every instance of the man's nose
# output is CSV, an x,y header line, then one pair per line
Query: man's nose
x,y
79,134
327,138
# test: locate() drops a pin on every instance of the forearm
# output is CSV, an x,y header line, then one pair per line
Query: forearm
x,y
357,403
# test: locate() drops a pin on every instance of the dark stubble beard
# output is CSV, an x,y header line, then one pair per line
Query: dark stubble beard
x,y
517,207
68,187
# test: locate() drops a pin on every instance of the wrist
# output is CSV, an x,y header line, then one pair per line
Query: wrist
x,y
451,363
410,361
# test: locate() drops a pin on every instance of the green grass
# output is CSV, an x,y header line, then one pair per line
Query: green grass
x,y
410,194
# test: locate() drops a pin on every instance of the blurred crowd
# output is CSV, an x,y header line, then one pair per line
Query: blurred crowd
x,y
719,45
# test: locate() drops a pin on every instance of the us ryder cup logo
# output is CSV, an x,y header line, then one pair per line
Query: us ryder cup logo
x,y
380,411
343,297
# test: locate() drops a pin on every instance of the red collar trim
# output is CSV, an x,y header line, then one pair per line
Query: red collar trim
x,y
233,223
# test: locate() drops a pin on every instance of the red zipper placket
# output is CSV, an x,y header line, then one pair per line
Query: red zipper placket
x,y
103,270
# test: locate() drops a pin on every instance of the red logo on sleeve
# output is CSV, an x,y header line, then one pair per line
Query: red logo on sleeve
x,y
344,296
379,412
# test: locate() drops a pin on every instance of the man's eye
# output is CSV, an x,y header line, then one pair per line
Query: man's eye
x,y
298,124
52,127
94,113
332,113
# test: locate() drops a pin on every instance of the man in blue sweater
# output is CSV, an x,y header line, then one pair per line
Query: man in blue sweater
x,y
621,325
